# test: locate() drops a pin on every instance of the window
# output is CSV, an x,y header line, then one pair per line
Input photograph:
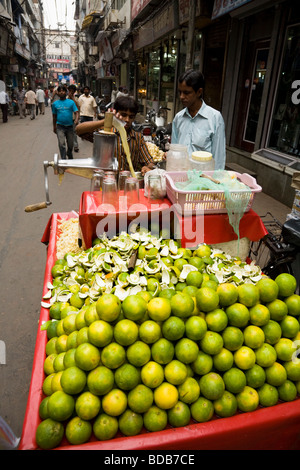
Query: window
x,y
285,126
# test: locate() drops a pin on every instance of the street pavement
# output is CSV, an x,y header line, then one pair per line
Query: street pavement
x,y
24,145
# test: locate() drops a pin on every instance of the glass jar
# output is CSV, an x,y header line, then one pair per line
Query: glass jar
x,y
96,181
177,158
202,161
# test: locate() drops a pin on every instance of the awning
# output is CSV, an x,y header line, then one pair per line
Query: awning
x,y
221,7
88,20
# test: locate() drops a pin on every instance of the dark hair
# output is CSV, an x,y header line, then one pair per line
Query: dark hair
x,y
72,87
126,102
193,78
62,87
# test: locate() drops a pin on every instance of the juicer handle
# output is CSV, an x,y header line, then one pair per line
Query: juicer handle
x,y
108,121
36,207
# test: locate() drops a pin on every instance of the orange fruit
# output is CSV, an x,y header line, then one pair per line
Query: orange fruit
x,y
293,305
165,396
113,355
248,294
51,346
255,376
80,321
216,320
100,380
247,399
287,284
182,305
234,380
194,278
51,329
175,372
285,349
47,384
202,410
268,289
55,383
228,294
130,423
289,326
91,314
140,398
87,406
212,386
114,403
238,315
73,380
152,374
233,338
179,415
293,369
259,315
105,427
186,350
72,340
159,308
265,355
226,405
59,328
49,434
54,311
87,356
272,331
223,360
207,299
134,307
278,309
254,336
83,335
202,364
189,390
108,307
190,290
162,351
167,293
202,251
43,409
197,262
69,323
66,310
173,328
276,374
78,431
244,358
61,343
180,286
155,419
287,391
138,353
211,343
60,406
100,333
268,395
127,376
149,331
48,364
125,332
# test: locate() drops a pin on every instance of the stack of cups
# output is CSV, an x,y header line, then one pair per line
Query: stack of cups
x,y
96,181
123,175
131,191
109,191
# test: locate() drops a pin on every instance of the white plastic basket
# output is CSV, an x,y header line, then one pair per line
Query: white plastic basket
x,y
206,202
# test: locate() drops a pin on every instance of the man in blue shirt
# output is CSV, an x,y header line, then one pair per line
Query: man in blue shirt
x,y
198,126
62,111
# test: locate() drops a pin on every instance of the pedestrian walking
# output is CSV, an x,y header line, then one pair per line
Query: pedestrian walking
x,y
88,105
62,111
31,102
20,98
72,96
4,102
40,95
46,97
198,126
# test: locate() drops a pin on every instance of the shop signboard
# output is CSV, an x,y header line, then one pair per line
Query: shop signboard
x,y
164,22
184,10
137,6
221,7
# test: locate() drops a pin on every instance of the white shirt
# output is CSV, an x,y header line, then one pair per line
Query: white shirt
x,y
205,131
40,94
4,97
87,105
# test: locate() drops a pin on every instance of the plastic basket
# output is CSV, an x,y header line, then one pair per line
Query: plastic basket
x,y
206,202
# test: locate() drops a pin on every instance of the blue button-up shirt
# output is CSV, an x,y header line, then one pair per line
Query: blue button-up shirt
x,y
205,131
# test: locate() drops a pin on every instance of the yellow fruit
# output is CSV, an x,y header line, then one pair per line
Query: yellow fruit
x,y
203,251
159,308
216,320
87,356
125,332
248,294
108,307
189,390
134,307
165,396
268,289
228,294
223,360
114,403
113,355
73,380
69,323
140,398
226,405
211,343
244,358
247,399
55,383
87,406
276,374
100,333
175,372
293,304
61,344
48,364
182,305
207,299
47,384
90,314
265,355
278,309
49,434
238,315
149,331
78,431
259,315
152,374
254,336
58,363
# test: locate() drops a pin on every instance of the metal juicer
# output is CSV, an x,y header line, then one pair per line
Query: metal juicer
x,y
103,158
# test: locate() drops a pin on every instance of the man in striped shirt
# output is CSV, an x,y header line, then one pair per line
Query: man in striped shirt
x,y
126,108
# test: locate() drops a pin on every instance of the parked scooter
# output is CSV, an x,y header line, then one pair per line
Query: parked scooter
x,y
154,128
102,106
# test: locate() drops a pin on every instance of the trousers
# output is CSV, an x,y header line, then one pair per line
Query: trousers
x,y
65,137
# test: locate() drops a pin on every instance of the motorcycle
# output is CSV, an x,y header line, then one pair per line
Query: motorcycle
x,y
154,128
102,106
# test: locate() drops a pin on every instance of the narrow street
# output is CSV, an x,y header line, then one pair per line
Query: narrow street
x,y
25,144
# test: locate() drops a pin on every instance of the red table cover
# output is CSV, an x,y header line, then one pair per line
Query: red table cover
x,y
277,427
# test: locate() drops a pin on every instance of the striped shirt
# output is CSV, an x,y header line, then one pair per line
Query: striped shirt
x,y
139,152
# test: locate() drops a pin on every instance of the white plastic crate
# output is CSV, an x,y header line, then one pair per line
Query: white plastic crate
x,y
207,202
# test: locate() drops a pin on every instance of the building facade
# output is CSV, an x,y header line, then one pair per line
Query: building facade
x,y
60,55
